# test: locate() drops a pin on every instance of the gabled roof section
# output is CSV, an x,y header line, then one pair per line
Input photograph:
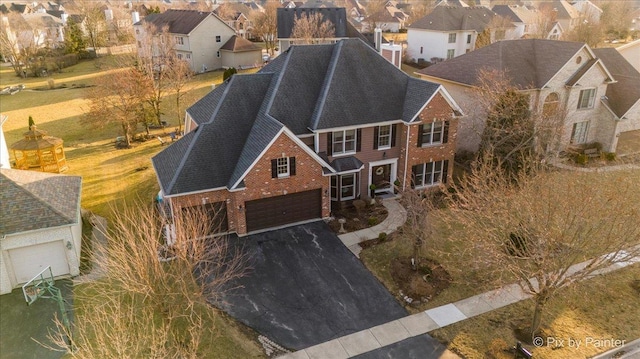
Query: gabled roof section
x,y
300,85
516,13
561,8
625,93
203,110
178,21
417,92
214,150
529,63
361,87
335,15
588,65
239,44
35,200
449,18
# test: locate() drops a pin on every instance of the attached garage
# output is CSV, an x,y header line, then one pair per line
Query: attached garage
x,y
628,143
31,260
216,213
282,210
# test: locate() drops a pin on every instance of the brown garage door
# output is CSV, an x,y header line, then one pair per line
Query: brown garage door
x,y
281,210
217,213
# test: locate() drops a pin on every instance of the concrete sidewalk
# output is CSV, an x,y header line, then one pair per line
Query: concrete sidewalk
x,y
424,322
396,217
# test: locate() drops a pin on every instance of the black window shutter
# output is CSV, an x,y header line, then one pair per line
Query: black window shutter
x,y
274,168
420,130
445,171
445,132
292,166
376,131
329,143
358,140
394,128
414,169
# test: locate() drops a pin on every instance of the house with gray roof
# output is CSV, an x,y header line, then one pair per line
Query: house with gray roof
x,y
319,126
597,91
337,16
449,31
197,37
40,226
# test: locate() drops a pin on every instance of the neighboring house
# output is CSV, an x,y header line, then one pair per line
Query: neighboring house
x,y
35,30
448,32
40,226
336,16
623,101
198,36
560,11
389,19
312,130
237,16
240,53
631,52
555,32
588,11
523,18
598,102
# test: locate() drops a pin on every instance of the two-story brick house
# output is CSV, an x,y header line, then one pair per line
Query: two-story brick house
x,y
598,106
316,127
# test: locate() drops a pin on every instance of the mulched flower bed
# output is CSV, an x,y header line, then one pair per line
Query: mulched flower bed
x,y
370,216
422,284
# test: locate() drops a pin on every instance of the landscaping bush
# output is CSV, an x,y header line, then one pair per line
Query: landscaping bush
x,y
610,156
228,73
373,221
382,236
581,159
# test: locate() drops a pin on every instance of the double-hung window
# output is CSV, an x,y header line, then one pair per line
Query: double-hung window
x,y
587,98
344,142
451,53
384,137
452,37
179,40
434,133
283,167
579,132
218,38
343,187
430,173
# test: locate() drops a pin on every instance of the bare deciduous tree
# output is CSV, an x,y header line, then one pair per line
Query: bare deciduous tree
x,y
312,29
538,227
153,300
119,100
265,25
95,24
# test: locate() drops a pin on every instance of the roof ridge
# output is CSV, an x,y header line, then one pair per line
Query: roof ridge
x,y
315,119
278,80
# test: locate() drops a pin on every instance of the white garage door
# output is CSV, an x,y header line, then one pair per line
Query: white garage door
x,y
31,260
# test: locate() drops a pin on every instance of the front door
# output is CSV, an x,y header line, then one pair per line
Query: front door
x,y
381,177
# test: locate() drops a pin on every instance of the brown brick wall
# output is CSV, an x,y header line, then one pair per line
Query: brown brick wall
x,y
437,110
259,184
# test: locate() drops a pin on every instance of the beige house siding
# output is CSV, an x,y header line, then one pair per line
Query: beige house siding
x,y
203,44
241,60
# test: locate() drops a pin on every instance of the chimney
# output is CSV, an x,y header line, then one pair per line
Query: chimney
x,y
135,17
108,14
377,38
64,17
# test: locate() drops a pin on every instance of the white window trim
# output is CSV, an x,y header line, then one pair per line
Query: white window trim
x,y
344,132
583,137
389,136
455,38
433,143
592,99
354,185
284,165
424,174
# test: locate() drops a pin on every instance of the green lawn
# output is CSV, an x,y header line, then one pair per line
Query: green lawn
x,y
110,177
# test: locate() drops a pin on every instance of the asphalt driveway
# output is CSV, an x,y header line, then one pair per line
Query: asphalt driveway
x,y
305,288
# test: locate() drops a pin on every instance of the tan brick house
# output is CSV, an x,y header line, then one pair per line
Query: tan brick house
x,y
317,126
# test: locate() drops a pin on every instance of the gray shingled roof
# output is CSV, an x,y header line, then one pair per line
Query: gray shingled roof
x,y
239,44
449,18
529,63
213,151
343,164
623,94
178,21
35,200
307,88
335,15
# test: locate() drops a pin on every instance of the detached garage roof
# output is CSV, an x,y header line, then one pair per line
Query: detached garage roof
x,y
35,200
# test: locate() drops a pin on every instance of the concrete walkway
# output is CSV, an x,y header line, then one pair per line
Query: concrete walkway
x,y
98,235
396,217
417,324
